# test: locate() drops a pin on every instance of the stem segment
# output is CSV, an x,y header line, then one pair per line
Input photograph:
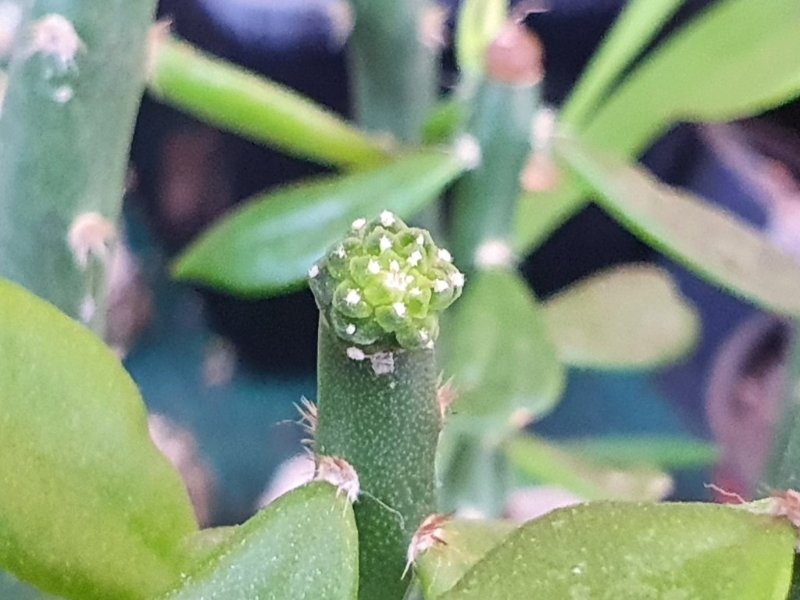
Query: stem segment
x,y
75,81
380,292
386,426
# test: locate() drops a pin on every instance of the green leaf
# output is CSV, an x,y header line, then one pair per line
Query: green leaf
x,y
499,353
734,60
479,22
660,451
639,22
638,551
463,543
539,214
302,546
267,246
628,317
705,239
256,108
542,463
89,509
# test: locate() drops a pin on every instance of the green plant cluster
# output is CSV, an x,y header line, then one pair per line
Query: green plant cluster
x,y
386,284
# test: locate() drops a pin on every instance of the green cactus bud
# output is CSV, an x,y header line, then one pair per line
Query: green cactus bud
x,y
389,282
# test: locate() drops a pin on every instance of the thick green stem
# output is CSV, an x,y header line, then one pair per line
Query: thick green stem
x,y
75,80
393,57
386,426
485,199
380,292
394,69
260,110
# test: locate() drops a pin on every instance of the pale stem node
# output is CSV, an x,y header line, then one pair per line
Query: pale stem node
x,y
90,234
467,149
339,473
494,253
342,21
428,535
54,35
432,27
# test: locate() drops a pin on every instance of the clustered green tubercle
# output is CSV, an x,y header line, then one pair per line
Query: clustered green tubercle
x,y
385,285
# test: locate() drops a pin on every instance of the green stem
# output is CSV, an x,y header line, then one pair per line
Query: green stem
x,y
394,70
74,86
485,199
394,73
236,100
386,426
380,292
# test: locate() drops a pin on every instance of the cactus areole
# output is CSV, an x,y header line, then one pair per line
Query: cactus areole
x,y
380,292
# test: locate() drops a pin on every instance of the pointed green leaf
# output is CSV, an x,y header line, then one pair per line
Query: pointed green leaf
x,y
660,451
636,552
639,21
705,239
628,317
89,509
734,60
304,546
499,352
542,463
256,108
461,544
267,246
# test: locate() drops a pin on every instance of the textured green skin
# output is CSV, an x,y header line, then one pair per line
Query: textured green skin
x,y
386,427
58,160
486,198
394,74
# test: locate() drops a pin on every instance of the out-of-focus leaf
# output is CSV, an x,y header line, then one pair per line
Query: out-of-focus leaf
x,y
636,551
663,452
479,22
499,353
89,509
639,21
626,317
268,245
736,59
463,543
539,214
303,546
705,239
256,108
544,463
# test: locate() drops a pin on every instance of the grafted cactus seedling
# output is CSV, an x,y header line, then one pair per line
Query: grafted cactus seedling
x,y
380,293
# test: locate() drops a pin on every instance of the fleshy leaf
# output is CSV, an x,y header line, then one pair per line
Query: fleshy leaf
x,y
267,246
89,509
637,551
499,352
627,317
462,543
707,240
304,546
